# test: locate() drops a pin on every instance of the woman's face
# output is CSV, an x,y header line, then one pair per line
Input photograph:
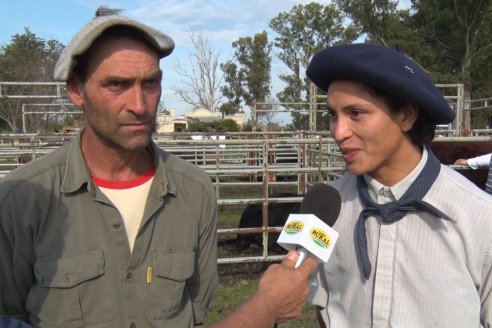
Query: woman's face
x,y
371,137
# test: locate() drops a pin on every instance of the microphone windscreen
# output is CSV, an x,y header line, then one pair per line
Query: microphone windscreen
x,y
324,201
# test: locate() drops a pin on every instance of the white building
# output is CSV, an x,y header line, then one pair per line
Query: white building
x,y
172,123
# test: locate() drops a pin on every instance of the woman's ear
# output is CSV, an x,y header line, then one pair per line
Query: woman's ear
x,y
75,91
409,114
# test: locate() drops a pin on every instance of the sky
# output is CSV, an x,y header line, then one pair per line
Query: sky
x,y
224,21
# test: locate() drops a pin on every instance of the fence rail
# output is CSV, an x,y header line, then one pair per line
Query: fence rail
x,y
262,162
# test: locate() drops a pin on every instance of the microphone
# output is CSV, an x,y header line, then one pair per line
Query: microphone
x,y
310,232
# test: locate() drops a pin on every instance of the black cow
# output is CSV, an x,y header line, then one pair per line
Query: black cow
x,y
252,217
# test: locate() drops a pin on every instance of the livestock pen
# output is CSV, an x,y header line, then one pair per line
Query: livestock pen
x,y
248,169
252,169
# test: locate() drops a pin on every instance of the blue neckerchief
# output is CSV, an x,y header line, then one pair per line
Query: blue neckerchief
x,y
411,201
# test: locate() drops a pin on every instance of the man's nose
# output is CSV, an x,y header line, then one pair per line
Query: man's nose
x,y
137,103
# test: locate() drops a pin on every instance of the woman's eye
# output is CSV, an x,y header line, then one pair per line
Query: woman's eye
x,y
357,113
330,113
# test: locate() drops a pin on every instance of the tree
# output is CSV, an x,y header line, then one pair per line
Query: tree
x,y
200,87
451,39
226,125
302,32
27,58
381,20
247,76
231,90
198,126
267,119
459,32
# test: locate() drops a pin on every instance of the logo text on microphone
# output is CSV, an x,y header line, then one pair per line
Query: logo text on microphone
x,y
320,237
294,227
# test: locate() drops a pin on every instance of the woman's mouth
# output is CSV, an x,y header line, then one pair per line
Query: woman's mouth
x,y
349,154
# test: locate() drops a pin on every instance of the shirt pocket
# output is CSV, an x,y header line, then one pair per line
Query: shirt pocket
x,y
71,290
168,294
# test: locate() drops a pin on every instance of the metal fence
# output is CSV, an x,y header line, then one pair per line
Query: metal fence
x,y
262,162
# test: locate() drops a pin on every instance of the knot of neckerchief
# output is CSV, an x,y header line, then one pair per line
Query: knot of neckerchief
x,y
411,201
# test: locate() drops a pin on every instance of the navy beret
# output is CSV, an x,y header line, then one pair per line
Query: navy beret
x,y
383,68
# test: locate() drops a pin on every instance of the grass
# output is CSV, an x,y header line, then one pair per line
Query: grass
x,y
232,294
238,282
226,220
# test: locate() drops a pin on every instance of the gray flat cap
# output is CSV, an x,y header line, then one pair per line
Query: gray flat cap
x,y
82,41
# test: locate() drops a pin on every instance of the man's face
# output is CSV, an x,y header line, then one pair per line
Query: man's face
x,y
121,94
371,138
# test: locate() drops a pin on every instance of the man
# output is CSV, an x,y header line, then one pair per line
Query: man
x,y
479,161
415,243
110,230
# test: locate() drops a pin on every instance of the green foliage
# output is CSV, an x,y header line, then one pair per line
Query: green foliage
x,y
300,121
199,127
27,58
303,31
247,75
379,19
231,107
226,125
450,39
458,32
248,126
228,220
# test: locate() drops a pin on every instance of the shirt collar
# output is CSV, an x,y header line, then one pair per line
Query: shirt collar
x,y
396,191
77,173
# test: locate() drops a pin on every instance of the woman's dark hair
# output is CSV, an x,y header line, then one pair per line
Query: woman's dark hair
x,y
423,130
113,32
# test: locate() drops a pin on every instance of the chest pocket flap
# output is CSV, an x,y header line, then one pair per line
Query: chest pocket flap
x,y
66,270
174,264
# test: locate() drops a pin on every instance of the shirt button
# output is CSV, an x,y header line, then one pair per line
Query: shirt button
x,y
133,325
129,276
116,226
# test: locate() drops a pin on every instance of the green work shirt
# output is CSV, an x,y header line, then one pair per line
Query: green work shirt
x,y
65,260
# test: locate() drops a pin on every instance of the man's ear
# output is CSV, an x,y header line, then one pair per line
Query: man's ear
x,y
408,117
75,91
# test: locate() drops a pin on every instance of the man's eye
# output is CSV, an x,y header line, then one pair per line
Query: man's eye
x,y
153,83
115,84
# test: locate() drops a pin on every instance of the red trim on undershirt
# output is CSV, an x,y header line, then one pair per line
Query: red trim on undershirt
x,y
125,184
